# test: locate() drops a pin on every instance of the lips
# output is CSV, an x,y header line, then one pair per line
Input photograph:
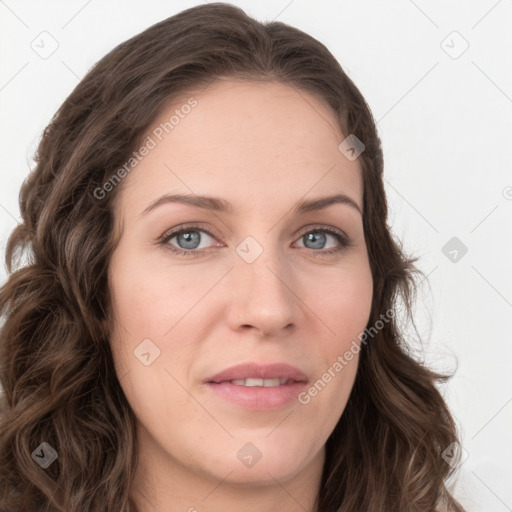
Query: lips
x,y
253,374
258,387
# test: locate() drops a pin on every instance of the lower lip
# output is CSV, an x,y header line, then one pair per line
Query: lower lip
x,y
258,397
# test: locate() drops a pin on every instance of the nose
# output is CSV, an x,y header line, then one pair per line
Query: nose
x,y
262,296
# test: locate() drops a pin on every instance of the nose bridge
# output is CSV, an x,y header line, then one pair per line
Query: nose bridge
x,y
263,296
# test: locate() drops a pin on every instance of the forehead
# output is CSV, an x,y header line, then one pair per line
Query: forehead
x,y
235,112
245,140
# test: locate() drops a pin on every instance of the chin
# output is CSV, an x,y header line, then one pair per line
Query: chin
x,y
263,458
264,473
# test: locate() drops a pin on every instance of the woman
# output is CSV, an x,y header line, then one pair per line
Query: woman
x,y
207,318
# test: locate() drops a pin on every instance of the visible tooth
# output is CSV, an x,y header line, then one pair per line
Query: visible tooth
x,y
253,382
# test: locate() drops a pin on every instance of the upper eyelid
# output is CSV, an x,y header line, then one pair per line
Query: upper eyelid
x,y
176,231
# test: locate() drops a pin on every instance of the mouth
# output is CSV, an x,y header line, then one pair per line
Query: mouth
x,y
258,387
254,374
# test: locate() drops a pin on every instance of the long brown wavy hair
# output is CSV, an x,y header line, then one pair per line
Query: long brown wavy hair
x,y
57,371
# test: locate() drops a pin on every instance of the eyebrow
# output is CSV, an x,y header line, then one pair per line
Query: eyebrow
x,y
221,205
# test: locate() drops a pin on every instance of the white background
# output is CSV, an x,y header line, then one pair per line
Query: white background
x,y
446,128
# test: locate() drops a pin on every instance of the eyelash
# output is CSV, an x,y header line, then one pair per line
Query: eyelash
x,y
344,241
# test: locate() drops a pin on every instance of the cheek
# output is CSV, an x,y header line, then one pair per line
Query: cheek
x,y
344,308
343,303
146,303
157,303
152,297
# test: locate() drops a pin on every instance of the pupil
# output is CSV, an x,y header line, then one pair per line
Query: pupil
x,y
316,237
191,240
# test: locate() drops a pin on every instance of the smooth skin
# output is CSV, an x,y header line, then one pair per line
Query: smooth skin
x,y
262,146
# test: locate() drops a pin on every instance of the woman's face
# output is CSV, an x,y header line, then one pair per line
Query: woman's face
x,y
264,285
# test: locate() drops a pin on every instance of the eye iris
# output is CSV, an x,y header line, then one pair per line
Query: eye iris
x,y
191,239
316,238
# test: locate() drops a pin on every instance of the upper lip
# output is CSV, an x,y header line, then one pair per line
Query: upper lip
x,y
259,371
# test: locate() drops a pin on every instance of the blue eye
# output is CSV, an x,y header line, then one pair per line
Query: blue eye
x,y
319,237
189,238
